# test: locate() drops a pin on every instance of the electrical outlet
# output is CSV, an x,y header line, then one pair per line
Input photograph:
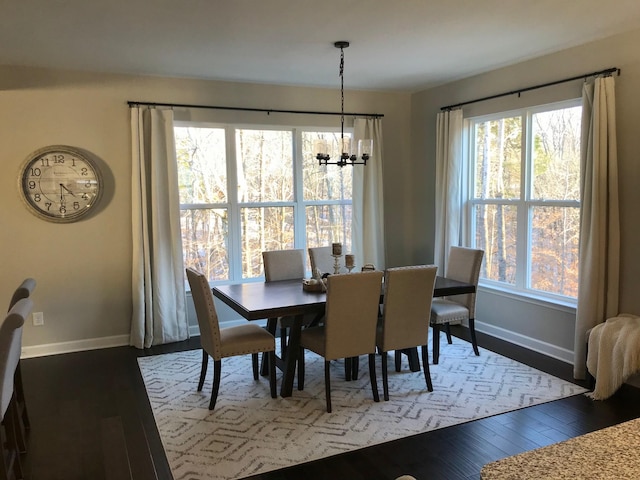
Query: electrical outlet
x,y
38,318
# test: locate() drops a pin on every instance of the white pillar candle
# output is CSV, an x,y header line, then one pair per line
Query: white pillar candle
x,y
336,248
349,260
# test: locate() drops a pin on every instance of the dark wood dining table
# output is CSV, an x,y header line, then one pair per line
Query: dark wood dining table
x,y
270,300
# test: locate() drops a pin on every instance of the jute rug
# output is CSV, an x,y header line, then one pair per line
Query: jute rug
x,y
249,432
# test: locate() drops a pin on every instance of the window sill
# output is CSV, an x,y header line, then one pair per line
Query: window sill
x,y
560,304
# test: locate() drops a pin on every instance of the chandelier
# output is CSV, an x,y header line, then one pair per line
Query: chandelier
x,y
351,155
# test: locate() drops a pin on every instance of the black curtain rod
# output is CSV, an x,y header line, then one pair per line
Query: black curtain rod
x,y
245,109
608,71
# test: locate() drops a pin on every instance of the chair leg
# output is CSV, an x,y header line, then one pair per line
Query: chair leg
x,y
272,373
425,367
203,369
447,329
301,369
385,377
217,364
472,330
327,385
254,363
398,360
347,369
436,343
372,377
283,341
272,324
355,367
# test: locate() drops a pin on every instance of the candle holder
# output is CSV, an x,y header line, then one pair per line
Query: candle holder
x,y
350,267
336,263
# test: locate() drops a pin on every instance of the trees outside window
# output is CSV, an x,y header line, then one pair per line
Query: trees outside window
x,y
245,190
524,197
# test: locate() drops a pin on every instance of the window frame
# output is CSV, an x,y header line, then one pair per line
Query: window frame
x,y
524,204
234,207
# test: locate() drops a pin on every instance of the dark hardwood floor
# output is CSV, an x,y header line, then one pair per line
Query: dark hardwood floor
x,y
91,420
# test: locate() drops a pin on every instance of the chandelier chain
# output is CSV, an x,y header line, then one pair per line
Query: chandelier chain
x,y
341,92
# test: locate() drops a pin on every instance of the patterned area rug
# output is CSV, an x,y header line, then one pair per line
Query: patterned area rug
x,y
250,433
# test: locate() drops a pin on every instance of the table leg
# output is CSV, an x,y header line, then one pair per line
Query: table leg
x,y
291,357
272,323
412,357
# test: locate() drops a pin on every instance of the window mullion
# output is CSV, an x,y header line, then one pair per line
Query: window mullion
x,y
234,248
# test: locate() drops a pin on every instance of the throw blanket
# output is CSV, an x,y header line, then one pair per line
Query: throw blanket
x,y
614,354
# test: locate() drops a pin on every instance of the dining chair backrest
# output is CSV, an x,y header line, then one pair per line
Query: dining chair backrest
x,y
352,306
283,264
206,313
408,292
321,259
24,290
464,265
10,349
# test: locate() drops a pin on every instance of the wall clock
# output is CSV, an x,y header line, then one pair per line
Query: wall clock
x,y
60,183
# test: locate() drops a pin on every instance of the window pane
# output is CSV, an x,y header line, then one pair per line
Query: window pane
x,y
554,249
204,241
202,170
556,154
328,182
265,165
498,158
264,229
327,224
496,229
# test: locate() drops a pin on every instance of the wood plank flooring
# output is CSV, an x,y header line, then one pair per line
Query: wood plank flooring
x,y
91,420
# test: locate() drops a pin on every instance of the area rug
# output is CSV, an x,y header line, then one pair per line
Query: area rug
x,y
250,433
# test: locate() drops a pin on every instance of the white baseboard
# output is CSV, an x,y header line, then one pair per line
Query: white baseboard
x,y
75,346
545,348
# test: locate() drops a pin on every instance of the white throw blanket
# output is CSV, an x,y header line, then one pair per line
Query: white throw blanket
x,y
614,353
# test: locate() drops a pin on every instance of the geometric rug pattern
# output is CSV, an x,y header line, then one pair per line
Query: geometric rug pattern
x,y
250,433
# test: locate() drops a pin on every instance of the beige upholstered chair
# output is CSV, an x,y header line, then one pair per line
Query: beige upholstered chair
x,y
220,343
349,328
321,259
284,265
10,348
24,290
407,303
463,265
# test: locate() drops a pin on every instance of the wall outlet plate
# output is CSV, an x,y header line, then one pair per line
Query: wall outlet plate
x,y
38,318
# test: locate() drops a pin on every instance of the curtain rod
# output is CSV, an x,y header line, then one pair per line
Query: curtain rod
x,y
608,71
245,109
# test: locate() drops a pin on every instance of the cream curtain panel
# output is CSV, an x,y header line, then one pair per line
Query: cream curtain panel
x,y
368,211
599,262
158,289
448,185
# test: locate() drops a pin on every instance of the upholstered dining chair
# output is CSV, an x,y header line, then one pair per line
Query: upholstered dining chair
x,y
226,342
24,290
321,259
10,348
463,265
349,328
284,265
408,292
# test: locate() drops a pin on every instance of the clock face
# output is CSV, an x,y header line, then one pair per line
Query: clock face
x,y
60,184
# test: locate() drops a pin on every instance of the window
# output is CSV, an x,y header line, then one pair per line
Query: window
x,y
244,190
524,199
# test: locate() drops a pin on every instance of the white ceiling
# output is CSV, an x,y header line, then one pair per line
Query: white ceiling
x,y
404,45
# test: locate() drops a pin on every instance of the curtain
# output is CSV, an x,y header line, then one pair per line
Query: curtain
x,y
158,289
368,201
599,261
448,185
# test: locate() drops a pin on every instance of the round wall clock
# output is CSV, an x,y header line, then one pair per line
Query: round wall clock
x,y
60,183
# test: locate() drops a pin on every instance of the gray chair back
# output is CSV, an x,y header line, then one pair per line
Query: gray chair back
x,y
321,259
407,306
351,314
206,313
283,264
10,349
464,265
25,289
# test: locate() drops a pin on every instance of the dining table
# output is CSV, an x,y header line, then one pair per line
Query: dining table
x,y
271,300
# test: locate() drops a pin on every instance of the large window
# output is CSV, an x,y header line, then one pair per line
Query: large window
x,y
524,198
244,190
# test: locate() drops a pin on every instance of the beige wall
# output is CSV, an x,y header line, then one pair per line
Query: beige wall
x,y
83,269
533,324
